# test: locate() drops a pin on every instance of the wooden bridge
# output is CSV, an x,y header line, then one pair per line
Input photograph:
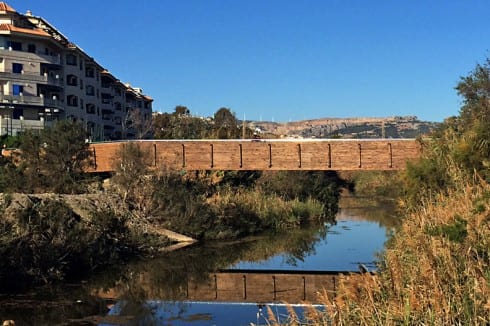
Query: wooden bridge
x,y
266,154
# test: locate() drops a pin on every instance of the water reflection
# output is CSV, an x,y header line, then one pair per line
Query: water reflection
x,y
202,313
168,277
369,209
153,292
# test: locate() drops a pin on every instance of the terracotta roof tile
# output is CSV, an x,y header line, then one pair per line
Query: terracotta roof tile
x,y
6,7
12,28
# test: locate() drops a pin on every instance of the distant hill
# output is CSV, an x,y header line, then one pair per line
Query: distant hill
x,y
390,127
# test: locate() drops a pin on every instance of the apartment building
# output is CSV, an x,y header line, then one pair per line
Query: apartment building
x,y
44,77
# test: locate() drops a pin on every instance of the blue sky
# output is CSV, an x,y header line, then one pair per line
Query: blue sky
x,y
283,60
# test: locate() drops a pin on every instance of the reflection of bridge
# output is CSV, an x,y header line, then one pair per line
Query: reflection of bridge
x,y
263,286
273,154
254,286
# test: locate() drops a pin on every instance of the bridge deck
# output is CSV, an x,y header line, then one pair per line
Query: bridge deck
x,y
267,154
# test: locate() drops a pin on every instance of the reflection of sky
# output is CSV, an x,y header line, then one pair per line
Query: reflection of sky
x,y
347,244
203,313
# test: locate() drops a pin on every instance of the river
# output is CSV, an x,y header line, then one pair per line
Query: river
x,y
181,288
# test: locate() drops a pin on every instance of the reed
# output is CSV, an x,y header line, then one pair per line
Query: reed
x,y
271,210
435,270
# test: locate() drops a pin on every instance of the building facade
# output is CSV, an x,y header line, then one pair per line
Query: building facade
x,y
44,77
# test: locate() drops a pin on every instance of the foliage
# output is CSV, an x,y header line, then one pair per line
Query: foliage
x,y
131,169
376,183
460,148
46,241
182,125
225,125
7,141
10,175
137,124
258,211
323,186
52,160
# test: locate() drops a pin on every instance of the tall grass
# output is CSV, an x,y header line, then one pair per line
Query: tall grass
x,y
271,210
435,270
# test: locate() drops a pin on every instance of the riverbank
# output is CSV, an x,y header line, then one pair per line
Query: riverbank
x,y
50,237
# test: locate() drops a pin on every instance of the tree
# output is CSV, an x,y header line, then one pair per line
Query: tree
x,y
180,125
472,127
226,125
131,178
459,149
53,159
182,110
136,122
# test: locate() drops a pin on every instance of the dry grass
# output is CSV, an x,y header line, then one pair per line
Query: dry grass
x,y
271,209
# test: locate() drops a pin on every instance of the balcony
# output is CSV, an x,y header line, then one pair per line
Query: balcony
x,y
107,113
13,127
32,77
31,101
37,57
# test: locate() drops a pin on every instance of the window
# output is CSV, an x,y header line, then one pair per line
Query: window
x,y
72,100
90,72
17,113
31,48
72,80
81,83
16,46
17,89
90,90
71,59
118,106
90,108
17,68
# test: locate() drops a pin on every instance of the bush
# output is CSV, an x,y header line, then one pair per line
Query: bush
x,y
52,160
46,241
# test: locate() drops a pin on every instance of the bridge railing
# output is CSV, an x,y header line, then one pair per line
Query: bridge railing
x,y
266,154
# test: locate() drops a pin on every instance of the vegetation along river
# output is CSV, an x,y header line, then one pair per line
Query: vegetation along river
x,y
156,291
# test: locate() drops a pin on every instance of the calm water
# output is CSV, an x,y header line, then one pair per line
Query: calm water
x,y
149,292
